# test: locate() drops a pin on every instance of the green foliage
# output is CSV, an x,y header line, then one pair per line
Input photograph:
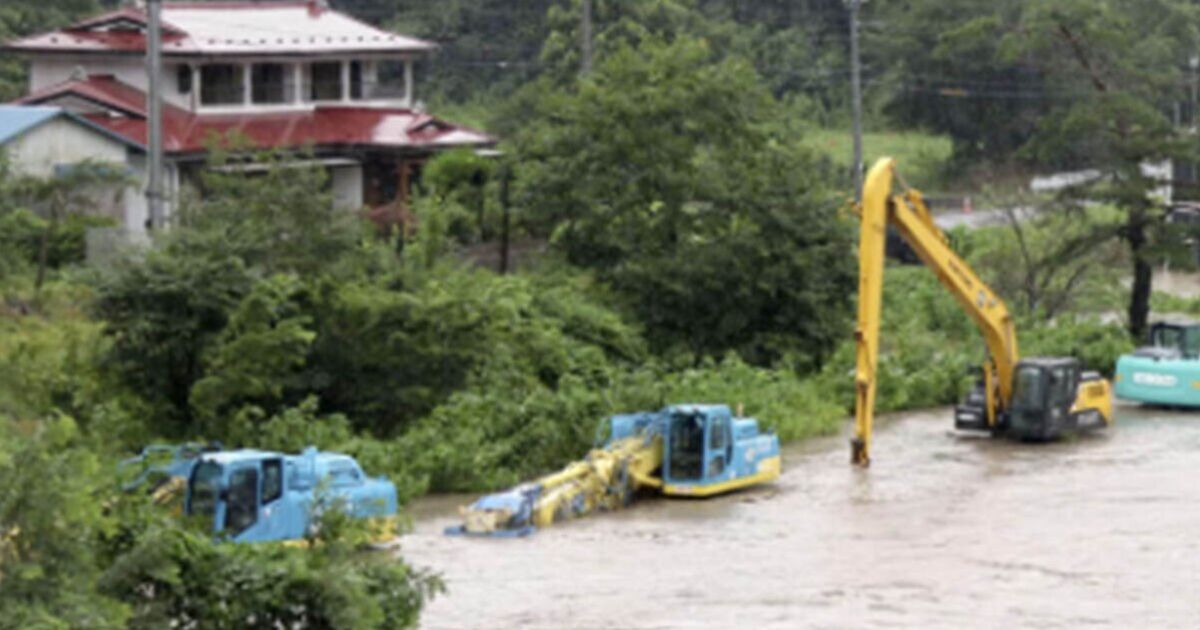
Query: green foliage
x,y
279,218
27,17
175,577
944,71
161,314
506,427
1162,302
50,520
663,172
796,408
391,356
21,235
927,345
1096,344
1059,257
255,360
924,158
44,220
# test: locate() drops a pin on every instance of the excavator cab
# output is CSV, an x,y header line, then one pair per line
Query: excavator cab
x,y
697,444
708,450
1051,397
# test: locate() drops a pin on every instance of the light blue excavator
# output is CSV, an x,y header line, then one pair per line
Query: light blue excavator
x,y
682,450
248,495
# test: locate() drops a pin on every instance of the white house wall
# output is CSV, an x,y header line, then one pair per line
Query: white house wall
x,y
46,71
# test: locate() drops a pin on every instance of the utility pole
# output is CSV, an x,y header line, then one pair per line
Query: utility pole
x,y
585,38
154,150
505,178
856,97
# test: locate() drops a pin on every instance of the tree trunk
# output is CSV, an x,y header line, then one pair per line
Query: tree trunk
x,y
1139,298
44,246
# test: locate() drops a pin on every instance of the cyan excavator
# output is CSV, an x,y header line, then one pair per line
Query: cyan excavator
x,y
1028,399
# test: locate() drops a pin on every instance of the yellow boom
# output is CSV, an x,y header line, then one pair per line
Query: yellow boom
x,y
911,217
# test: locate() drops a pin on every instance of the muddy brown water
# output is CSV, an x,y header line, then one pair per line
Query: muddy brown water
x,y
942,531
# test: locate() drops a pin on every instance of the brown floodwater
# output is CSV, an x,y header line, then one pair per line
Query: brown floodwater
x,y
944,530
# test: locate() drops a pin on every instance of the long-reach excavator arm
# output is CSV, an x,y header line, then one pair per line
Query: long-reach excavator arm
x,y
911,217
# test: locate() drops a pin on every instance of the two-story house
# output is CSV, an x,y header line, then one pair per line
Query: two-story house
x,y
290,75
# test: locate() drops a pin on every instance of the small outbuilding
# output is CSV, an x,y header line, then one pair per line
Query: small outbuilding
x,y
47,141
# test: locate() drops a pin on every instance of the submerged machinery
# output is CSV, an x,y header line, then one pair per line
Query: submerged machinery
x,y
1166,371
255,496
1031,398
682,450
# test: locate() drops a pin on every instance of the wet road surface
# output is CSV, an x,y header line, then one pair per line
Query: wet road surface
x,y
944,531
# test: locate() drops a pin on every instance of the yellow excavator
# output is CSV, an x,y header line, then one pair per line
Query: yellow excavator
x,y
1032,399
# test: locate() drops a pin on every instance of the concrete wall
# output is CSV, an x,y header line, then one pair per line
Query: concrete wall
x,y
347,183
63,141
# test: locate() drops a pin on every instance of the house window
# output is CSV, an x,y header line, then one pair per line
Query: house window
x,y
388,81
269,83
221,84
183,79
325,81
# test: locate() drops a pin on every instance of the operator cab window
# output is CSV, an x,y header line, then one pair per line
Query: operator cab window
x,y
1191,341
241,511
206,481
1168,337
1028,394
1060,387
272,480
687,447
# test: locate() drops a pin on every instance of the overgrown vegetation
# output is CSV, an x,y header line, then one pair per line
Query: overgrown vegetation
x,y
687,192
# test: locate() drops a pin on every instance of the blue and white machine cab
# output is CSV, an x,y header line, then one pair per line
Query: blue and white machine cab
x,y
255,496
707,450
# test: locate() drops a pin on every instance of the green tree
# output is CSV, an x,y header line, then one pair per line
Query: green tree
x,y
19,18
50,522
668,172
1130,58
941,67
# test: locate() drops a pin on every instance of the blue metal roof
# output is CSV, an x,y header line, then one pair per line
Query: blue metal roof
x,y
17,119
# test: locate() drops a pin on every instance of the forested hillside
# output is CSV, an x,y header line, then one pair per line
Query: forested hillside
x,y
687,238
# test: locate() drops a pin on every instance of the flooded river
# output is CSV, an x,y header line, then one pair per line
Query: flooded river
x,y
942,531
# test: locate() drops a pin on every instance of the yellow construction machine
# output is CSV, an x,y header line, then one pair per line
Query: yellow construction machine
x,y
1030,399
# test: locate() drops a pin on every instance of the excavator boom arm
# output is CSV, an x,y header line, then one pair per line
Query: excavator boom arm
x,y
912,219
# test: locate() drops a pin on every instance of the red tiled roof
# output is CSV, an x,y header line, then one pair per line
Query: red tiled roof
x,y
215,28
322,126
